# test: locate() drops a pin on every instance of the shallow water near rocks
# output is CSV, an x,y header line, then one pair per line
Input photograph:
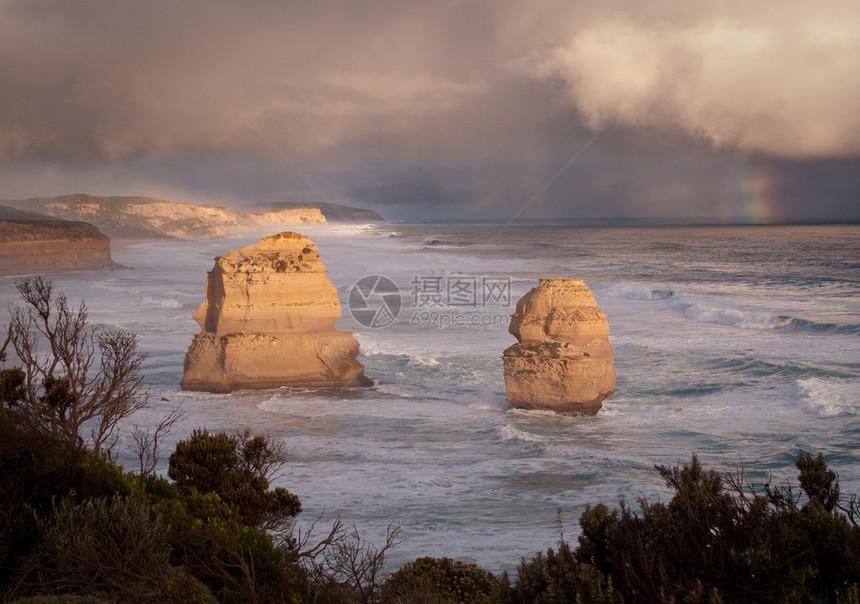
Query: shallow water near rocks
x,y
741,344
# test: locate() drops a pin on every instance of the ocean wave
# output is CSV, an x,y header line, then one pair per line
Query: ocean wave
x,y
115,289
509,432
635,291
434,242
749,319
485,403
802,325
162,302
744,364
414,358
668,246
422,361
829,397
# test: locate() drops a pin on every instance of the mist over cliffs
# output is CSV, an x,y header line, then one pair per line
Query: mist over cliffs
x,y
146,217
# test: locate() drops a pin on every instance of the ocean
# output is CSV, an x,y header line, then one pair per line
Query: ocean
x,y
740,344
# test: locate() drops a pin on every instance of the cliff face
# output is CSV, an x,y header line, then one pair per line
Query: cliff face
x,y
50,246
333,212
147,217
268,321
564,361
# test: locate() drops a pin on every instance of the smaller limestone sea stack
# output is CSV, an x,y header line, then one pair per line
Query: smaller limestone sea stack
x,y
268,321
564,361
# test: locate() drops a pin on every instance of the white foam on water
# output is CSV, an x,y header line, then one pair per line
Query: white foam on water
x,y
735,317
163,302
637,291
831,397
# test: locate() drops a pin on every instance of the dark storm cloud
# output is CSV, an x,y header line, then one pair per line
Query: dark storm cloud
x,y
116,79
461,107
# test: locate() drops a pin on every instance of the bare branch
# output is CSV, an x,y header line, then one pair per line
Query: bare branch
x,y
78,382
344,560
146,443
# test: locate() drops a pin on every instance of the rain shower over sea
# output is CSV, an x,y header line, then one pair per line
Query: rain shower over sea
x,y
740,344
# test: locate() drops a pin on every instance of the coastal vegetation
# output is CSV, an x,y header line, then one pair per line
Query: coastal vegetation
x,y
77,527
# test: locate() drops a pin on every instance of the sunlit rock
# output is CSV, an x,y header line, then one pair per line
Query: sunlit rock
x,y
268,321
563,361
42,245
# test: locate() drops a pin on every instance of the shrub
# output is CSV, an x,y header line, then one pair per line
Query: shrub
x,y
717,539
558,577
238,469
440,580
11,386
109,547
237,563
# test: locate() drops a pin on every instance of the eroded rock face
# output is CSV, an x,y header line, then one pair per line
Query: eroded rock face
x,y
564,361
51,246
268,321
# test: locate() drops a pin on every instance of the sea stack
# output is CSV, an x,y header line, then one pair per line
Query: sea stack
x,y
268,321
563,361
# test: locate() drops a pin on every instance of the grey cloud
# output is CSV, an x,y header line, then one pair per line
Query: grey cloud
x,y
773,77
450,108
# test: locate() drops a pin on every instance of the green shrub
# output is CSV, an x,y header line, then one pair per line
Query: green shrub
x,y
238,469
237,563
12,386
558,577
109,547
440,580
717,539
183,588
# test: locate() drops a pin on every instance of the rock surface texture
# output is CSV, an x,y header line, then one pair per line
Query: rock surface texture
x,y
51,246
268,321
564,361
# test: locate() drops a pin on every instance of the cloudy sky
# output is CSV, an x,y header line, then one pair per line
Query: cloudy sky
x,y
452,109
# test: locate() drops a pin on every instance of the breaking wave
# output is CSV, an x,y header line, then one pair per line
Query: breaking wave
x,y
162,302
746,319
829,397
633,291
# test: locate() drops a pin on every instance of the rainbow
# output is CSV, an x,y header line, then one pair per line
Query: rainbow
x,y
756,200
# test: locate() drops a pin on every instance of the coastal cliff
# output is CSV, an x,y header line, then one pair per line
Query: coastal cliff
x,y
145,217
333,212
563,361
268,321
33,244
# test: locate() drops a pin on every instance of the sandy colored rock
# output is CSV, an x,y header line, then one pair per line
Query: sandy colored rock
x,y
268,321
563,361
51,246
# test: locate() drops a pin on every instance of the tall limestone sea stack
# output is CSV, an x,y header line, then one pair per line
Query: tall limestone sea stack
x,y
564,361
268,321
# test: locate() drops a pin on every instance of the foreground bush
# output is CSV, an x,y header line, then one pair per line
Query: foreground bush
x,y
717,540
238,468
439,581
109,546
74,526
